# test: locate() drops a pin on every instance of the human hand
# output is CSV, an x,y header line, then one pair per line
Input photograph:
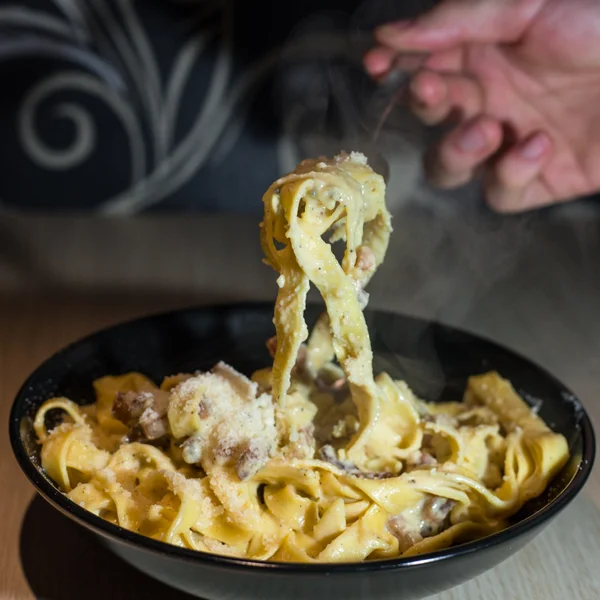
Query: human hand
x,y
521,80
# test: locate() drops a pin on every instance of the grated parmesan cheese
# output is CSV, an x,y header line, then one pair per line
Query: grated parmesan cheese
x,y
223,419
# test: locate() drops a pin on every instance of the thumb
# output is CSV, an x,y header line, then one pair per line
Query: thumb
x,y
455,22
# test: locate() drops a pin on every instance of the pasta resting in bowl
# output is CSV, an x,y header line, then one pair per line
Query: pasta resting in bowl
x,y
315,459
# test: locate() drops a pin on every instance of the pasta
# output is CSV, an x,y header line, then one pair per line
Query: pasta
x,y
314,459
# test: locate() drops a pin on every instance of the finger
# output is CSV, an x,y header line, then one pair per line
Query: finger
x,y
434,97
513,185
455,22
458,156
378,61
447,61
428,97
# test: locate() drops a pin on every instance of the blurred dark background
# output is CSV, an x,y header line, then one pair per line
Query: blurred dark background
x,y
124,106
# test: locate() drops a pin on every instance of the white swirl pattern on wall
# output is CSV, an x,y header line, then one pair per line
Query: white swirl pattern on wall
x,y
113,58
141,104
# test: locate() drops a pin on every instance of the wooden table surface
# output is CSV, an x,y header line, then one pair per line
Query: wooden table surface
x,y
529,283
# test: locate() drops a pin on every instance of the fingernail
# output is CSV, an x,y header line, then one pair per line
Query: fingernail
x,y
375,67
416,93
472,140
535,147
395,27
402,24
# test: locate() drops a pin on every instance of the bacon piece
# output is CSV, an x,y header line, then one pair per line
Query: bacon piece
x,y
406,537
143,412
332,380
434,514
434,520
299,368
204,408
365,258
252,459
153,425
420,459
332,387
436,509
128,407
328,454
272,346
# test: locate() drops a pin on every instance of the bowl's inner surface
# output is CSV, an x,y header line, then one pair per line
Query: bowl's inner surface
x,y
433,359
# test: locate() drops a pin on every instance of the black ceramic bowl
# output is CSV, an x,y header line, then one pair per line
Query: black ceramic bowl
x,y
435,360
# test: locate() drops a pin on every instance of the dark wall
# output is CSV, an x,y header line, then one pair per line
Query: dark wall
x,y
122,106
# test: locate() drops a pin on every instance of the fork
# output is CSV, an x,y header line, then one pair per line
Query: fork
x,y
395,83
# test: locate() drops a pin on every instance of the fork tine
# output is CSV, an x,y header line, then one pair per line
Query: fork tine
x,y
395,82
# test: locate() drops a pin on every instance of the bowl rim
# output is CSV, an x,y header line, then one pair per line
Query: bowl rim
x,y
124,536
